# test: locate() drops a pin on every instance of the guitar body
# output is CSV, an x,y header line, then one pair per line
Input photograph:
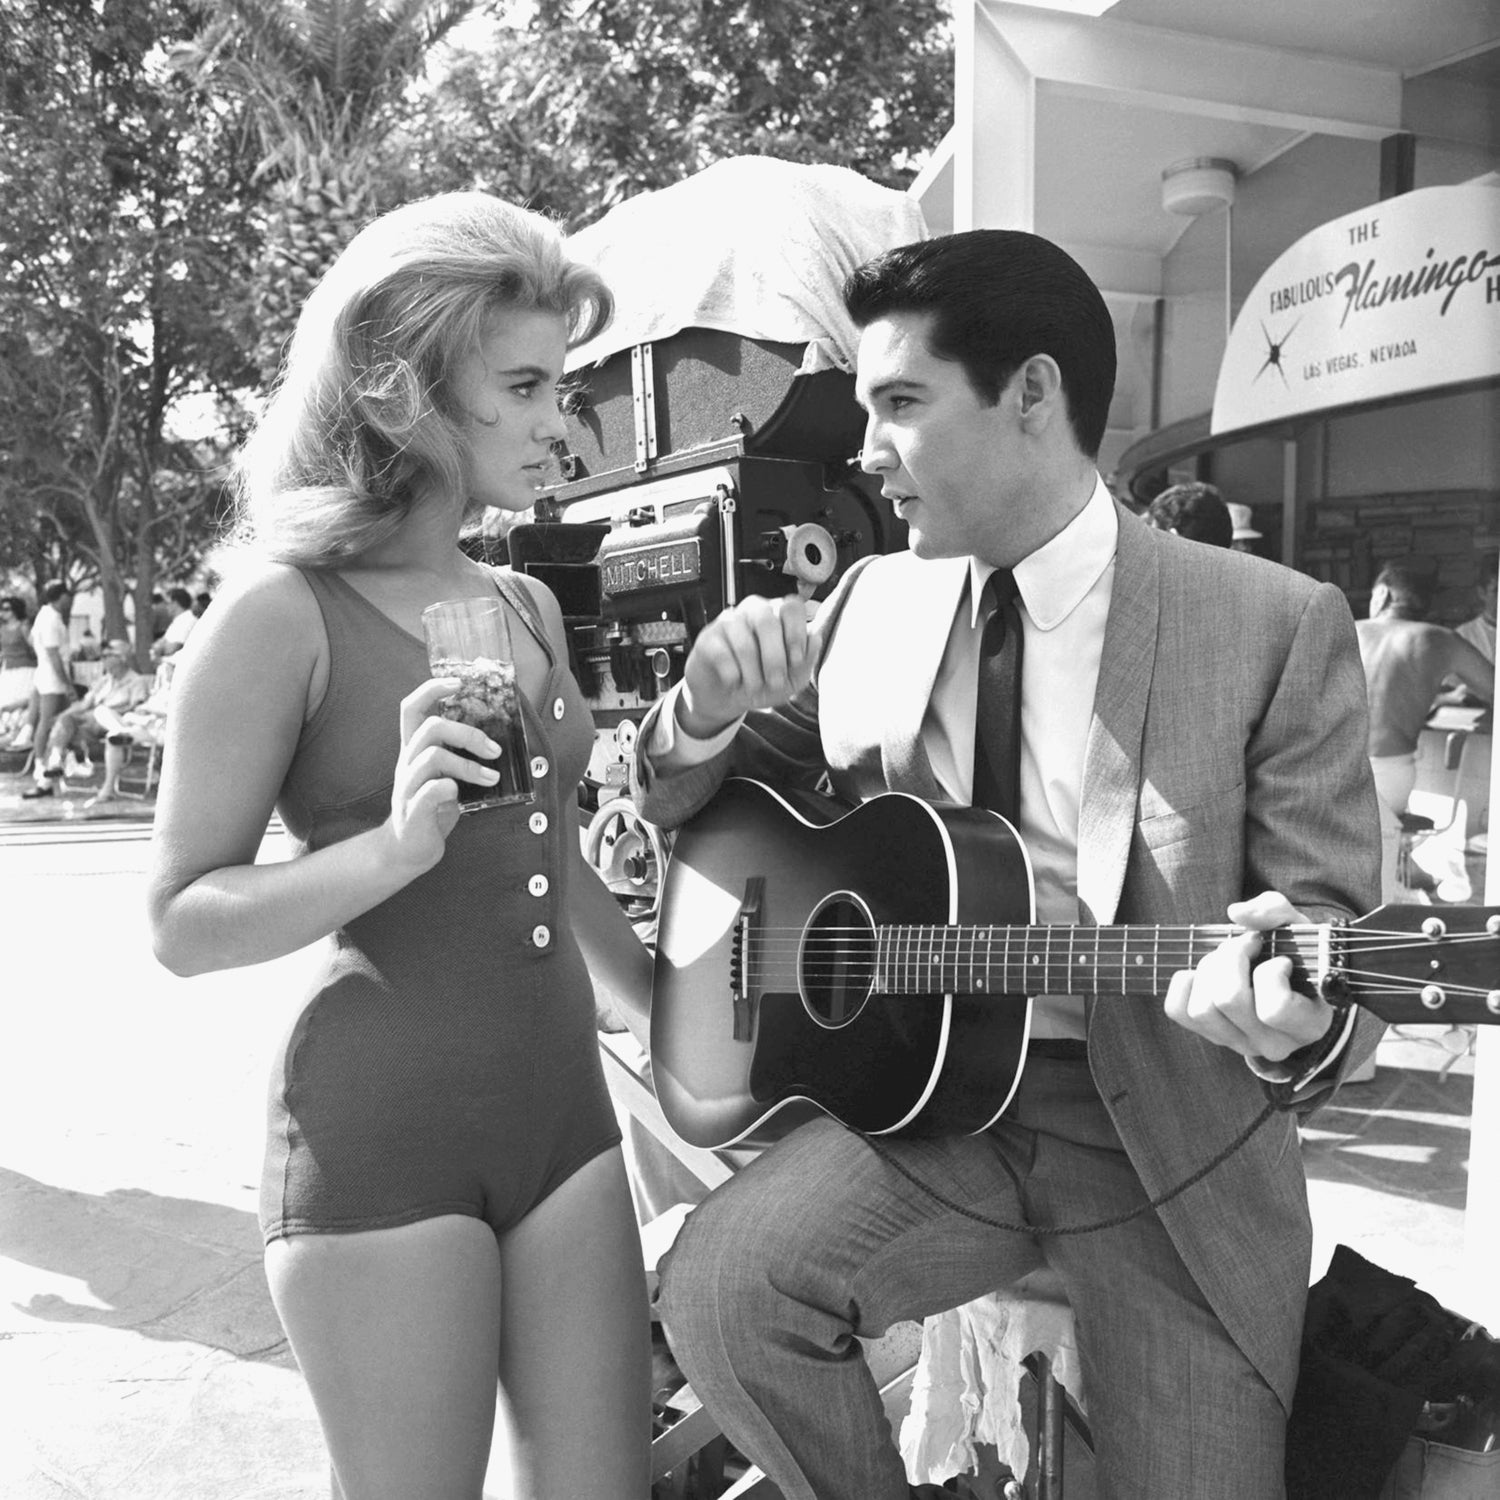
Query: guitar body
x,y
749,877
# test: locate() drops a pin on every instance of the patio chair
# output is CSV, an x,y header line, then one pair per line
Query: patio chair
x,y
145,754
145,736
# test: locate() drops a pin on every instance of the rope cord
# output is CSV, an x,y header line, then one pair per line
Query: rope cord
x,y
1056,1230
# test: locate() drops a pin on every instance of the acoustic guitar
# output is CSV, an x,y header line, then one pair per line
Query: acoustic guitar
x,y
876,965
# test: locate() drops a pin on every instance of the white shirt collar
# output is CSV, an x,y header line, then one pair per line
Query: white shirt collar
x,y
1055,579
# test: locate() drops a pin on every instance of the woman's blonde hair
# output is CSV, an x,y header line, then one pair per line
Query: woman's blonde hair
x,y
365,421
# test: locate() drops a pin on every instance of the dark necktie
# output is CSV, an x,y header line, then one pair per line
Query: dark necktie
x,y
997,718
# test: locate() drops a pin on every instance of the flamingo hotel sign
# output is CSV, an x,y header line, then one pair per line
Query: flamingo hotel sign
x,y
1400,297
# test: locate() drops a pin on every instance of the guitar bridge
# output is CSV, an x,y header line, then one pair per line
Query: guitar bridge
x,y
742,1004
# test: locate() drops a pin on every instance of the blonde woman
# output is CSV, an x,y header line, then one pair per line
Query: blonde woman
x,y
444,1198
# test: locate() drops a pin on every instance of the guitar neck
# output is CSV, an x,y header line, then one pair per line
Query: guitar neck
x,y
1066,960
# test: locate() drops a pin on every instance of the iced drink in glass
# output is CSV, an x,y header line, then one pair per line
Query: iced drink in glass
x,y
470,639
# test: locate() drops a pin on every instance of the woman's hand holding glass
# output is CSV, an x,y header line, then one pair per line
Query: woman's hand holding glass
x,y
424,798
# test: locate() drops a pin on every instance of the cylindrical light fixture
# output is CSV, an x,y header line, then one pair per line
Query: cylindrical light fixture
x,y
1198,184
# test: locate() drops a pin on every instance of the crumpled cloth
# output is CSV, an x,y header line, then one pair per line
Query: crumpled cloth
x,y
751,245
966,1388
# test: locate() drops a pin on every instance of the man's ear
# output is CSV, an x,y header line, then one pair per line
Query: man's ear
x,y
1041,391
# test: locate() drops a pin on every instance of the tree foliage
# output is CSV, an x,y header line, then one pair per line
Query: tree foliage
x,y
588,104
122,208
177,174
322,83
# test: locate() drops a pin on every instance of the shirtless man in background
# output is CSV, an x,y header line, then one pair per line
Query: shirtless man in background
x,y
1406,659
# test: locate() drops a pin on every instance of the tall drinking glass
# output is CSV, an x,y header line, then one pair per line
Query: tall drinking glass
x,y
470,639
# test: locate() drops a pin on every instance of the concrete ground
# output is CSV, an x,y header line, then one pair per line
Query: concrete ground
x,y
140,1358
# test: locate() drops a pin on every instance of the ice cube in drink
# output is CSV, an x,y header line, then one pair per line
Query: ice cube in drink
x,y
489,699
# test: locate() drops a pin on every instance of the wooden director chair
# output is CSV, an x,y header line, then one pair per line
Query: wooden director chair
x,y
691,1451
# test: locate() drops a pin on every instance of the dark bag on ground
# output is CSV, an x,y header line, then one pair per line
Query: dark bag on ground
x,y
1388,1378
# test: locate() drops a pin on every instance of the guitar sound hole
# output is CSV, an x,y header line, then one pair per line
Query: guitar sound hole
x,y
837,962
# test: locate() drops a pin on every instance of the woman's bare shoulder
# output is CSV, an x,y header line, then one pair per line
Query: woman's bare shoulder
x,y
264,624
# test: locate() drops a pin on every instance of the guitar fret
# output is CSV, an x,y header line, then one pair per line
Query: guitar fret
x,y
1061,958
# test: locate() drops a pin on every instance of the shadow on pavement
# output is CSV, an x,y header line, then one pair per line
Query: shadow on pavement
x,y
1405,1133
167,1268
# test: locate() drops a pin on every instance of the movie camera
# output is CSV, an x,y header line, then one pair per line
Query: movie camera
x,y
697,471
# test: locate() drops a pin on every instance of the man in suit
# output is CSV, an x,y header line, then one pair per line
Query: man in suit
x,y
1192,732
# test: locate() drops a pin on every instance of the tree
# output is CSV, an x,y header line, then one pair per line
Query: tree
x,y
323,82
585,105
121,230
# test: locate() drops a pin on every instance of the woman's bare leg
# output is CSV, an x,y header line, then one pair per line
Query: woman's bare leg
x,y
397,1332
575,1348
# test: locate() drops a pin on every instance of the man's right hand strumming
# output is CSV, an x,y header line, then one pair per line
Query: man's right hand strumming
x,y
756,655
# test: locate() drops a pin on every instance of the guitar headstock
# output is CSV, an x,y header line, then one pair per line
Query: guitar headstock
x,y
1414,964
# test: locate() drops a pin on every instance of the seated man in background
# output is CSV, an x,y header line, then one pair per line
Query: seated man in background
x,y
145,724
1406,659
119,687
1195,510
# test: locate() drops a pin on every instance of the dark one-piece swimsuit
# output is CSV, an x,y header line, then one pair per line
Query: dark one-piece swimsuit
x,y
446,1060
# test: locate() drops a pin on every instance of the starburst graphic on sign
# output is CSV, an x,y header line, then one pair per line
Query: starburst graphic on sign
x,y
1274,349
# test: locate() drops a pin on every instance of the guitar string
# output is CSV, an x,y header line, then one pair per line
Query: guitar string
x,y
1394,940
839,952
835,948
855,937
1373,986
854,942
1058,1230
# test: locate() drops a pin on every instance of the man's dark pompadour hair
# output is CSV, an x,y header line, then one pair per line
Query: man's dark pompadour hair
x,y
996,297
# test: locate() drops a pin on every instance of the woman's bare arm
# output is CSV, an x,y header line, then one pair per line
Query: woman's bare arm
x,y
253,668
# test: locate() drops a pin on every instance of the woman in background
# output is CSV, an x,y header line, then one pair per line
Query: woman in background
x,y
17,674
444,1196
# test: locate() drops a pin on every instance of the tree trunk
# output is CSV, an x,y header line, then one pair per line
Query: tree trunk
x,y
145,581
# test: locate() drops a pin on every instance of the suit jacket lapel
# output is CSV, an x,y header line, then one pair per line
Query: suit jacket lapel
x,y
1112,761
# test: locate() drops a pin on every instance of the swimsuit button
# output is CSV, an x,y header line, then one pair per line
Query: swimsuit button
x,y
557,708
537,822
537,885
538,765
541,936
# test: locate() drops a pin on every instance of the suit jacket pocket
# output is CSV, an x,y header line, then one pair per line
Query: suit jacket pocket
x,y
1189,859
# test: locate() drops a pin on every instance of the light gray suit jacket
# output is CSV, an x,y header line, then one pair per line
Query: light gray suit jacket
x,y
1226,756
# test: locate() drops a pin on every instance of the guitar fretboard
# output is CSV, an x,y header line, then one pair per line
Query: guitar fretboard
x,y
1064,959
